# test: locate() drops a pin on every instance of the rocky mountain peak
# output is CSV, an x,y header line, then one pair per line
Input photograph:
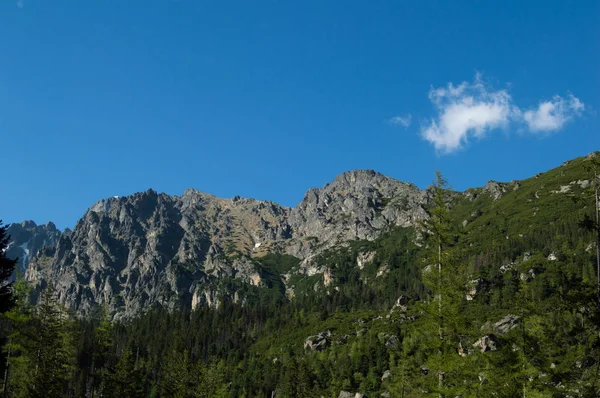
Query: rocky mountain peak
x,y
28,224
151,248
27,239
352,176
357,204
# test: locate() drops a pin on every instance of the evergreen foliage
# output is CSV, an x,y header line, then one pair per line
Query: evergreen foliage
x,y
7,269
42,348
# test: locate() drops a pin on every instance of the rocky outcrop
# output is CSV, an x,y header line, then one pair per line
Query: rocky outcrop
x,y
495,189
492,341
473,287
346,394
502,326
356,205
390,341
486,343
364,258
318,342
386,375
528,276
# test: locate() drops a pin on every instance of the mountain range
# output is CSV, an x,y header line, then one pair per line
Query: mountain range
x,y
130,254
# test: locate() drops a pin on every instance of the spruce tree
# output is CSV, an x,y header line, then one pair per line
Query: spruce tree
x,y
21,334
7,297
176,379
125,379
212,381
593,223
102,357
431,361
7,268
43,348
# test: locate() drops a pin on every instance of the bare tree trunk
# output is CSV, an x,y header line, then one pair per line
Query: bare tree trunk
x,y
440,375
5,389
597,240
137,358
523,348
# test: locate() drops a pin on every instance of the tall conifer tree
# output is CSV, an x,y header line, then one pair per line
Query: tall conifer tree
x,y
7,268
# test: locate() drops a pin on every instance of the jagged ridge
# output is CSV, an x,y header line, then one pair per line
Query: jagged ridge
x,y
133,252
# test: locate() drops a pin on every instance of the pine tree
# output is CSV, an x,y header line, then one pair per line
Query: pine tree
x,y
7,268
125,380
593,167
431,361
211,379
177,380
7,296
22,332
102,356
43,347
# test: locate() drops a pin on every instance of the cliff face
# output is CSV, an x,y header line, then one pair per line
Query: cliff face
x,y
147,249
357,205
26,240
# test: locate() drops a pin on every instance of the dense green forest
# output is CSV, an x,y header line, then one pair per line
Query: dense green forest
x,y
488,297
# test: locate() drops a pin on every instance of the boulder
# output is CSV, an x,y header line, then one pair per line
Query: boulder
x,y
392,342
495,189
503,326
528,276
318,342
386,374
486,343
346,394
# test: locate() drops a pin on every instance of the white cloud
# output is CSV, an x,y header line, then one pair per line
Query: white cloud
x,y
466,110
404,120
552,115
20,3
473,109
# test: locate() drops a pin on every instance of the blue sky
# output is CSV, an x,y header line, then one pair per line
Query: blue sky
x,y
266,99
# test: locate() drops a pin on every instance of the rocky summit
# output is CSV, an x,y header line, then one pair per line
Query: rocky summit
x,y
128,254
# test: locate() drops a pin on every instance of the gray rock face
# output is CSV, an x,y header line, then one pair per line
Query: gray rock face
x,y
132,253
495,189
356,205
146,249
26,240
